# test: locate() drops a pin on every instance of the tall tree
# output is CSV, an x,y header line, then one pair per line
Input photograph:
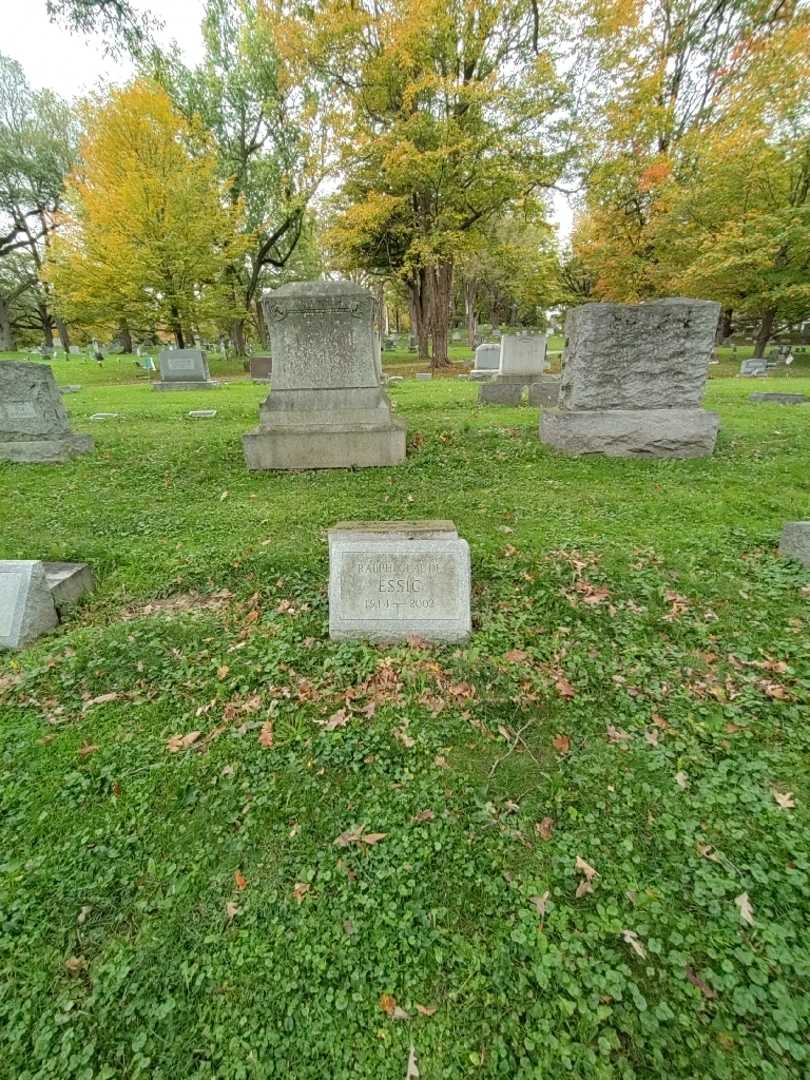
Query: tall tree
x,y
449,113
264,130
38,136
151,232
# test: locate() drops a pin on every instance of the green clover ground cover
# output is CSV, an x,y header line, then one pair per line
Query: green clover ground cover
x,y
595,847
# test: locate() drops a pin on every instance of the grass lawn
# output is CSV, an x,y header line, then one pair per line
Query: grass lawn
x,y
595,858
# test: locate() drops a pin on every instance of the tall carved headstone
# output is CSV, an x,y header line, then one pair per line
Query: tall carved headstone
x,y
34,425
633,381
327,408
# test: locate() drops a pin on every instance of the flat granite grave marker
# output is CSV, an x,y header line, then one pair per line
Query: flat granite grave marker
x,y
389,580
184,369
327,408
795,542
754,367
33,594
34,425
779,399
633,380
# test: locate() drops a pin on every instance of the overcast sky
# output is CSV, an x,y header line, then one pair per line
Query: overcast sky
x,y
72,64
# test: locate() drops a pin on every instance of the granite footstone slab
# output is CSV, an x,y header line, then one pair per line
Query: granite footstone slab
x,y
327,408
795,542
34,425
545,392
390,580
184,369
68,582
501,393
633,380
779,399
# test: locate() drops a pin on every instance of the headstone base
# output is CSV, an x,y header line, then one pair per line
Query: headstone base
x,y
208,384
545,392
68,582
390,580
322,446
678,433
795,543
47,451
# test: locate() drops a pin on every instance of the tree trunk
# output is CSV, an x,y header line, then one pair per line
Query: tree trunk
x,y
725,325
62,330
419,304
47,325
237,336
764,333
441,295
261,325
7,341
470,297
125,337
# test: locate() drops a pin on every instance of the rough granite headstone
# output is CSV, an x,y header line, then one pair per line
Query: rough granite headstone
x,y
261,368
34,425
327,408
184,369
795,542
633,380
389,580
779,399
754,367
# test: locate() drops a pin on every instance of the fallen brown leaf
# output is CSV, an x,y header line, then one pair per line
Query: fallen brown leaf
x,y
704,988
300,890
239,880
746,911
544,828
411,1069
586,869
231,910
266,735
540,903
784,799
102,699
87,749
427,1010
391,1009
222,672
182,742
336,720
631,937
424,815
561,743
515,656
373,837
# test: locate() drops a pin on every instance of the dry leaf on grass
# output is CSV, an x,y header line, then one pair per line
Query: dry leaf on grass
x,y
544,828
585,886
784,799
231,910
336,720
563,686
411,1070
87,749
222,672
704,988
266,735
515,656
681,779
239,880
182,742
427,1010
746,911
102,699
300,890
424,815
561,743
631,937
617,735
391,1009
373,837
75,964
540,903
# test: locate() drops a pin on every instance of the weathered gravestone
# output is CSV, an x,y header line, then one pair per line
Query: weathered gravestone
x,y
779,399
521,362
184,369
754,367
522,359
633,380
261,368
795,542
389,580
424,376
34,425
32,595
327,408
487,361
